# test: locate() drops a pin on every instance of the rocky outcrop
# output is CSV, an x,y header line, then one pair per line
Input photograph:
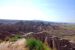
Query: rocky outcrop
x,y
53,41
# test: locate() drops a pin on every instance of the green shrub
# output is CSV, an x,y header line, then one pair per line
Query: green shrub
x,y
34,44
15,38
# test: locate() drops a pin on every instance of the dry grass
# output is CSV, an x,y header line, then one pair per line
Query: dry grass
x,y
18,45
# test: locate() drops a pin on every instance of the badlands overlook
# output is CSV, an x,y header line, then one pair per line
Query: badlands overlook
x,y
37,24
36,35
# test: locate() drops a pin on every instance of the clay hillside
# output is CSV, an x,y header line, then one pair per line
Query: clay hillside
x,y
11,27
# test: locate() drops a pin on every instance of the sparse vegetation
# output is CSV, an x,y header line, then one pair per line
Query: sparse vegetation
x,y
34,44
15,37
46,47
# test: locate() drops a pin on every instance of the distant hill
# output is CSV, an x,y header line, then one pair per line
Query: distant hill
x,y
11,27
7,21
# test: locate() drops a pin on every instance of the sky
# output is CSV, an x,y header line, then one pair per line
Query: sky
x,y
48,10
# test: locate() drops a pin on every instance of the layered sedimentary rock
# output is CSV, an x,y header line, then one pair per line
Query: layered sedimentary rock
x,y
53,41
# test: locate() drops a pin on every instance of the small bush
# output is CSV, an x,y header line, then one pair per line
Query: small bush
x,y
15,38
34,44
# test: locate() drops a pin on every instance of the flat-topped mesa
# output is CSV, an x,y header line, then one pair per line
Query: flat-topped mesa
x,y
53,41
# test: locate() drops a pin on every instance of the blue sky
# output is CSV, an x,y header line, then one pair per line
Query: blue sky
x,y
49,10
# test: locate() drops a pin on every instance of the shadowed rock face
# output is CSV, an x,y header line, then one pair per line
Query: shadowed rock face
x,y
53,41
73,45
65,44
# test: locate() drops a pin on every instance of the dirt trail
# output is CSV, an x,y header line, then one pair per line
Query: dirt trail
x,y
18,45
